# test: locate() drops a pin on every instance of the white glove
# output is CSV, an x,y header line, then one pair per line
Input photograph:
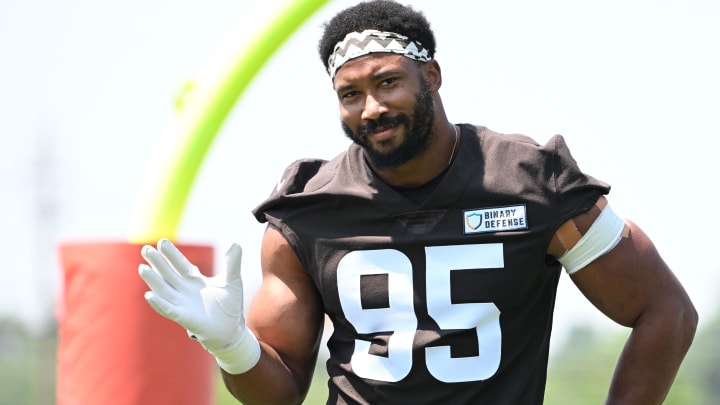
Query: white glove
x,y
209,308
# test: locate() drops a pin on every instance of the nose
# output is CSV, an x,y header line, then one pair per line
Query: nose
x,y
373,108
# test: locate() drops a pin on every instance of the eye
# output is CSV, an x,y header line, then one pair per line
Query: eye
x,y
388,81
349,96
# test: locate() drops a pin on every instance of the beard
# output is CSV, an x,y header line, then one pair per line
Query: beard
x,y
417,138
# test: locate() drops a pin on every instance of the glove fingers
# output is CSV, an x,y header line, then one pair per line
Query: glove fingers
x,y
157,283
233,259
178,261
162,306
162,266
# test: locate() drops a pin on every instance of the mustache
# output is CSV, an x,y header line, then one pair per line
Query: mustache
x,y
383,122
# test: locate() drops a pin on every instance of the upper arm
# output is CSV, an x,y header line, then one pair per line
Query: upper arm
x,y
285,313
632,280
628,281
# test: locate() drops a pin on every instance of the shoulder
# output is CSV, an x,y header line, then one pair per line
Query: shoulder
x,y
505,151
304,174
516,164
312,180
490,139
488,135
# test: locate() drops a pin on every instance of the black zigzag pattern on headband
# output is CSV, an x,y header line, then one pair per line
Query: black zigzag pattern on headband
x,y
356,44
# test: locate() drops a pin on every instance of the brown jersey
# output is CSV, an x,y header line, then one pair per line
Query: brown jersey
x,y
446,300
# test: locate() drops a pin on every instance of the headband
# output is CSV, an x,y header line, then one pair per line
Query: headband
x,y
358,44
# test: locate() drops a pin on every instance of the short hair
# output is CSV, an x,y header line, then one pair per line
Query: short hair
x,y
381,15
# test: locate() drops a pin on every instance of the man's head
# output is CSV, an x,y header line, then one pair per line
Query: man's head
x,y
385,16
379,57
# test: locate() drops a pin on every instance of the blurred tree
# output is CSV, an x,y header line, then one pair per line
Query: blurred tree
x,y
27,364
14,365
700,373
580,372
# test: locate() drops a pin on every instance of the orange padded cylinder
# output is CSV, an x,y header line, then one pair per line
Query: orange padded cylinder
x,y
113,348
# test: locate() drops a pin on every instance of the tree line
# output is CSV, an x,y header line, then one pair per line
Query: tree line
x,y
579,373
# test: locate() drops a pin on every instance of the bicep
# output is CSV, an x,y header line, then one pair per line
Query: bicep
x,y
630,280
626,281
286,313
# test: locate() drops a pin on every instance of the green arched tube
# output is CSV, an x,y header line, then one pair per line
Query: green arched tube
x,y
201,112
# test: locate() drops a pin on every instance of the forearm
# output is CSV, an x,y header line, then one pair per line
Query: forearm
x,y
270,381
651,357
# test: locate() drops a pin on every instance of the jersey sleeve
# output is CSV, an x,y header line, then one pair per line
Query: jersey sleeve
x,y
545,176
574,189
293,181
567,174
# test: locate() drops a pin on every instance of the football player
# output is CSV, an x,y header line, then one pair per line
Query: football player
x,y
434,247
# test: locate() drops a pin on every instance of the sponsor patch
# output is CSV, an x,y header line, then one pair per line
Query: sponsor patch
x,y
497,219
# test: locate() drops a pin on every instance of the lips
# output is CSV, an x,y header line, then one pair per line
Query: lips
x,y
382,133
384,122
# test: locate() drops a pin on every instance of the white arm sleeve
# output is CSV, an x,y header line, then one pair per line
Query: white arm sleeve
x,y
602,236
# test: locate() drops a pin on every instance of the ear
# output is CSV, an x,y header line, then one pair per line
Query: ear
x,y
433,75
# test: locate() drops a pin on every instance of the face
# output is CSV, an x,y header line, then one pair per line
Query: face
x,y
386,107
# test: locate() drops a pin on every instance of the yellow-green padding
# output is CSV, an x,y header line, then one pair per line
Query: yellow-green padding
x,y
200,116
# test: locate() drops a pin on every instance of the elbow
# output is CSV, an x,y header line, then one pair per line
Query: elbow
x,y
263,394
675,319
685,320
689,321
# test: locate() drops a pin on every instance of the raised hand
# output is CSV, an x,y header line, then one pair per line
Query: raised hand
x,y
209,308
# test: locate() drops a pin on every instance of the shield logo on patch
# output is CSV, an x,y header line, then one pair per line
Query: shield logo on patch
x,y
473,221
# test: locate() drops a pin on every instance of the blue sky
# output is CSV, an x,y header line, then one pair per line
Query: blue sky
x,y
87,100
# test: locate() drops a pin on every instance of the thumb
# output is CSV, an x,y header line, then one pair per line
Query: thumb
x,y
233,258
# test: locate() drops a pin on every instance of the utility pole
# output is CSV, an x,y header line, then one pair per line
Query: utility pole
x,y
45,268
